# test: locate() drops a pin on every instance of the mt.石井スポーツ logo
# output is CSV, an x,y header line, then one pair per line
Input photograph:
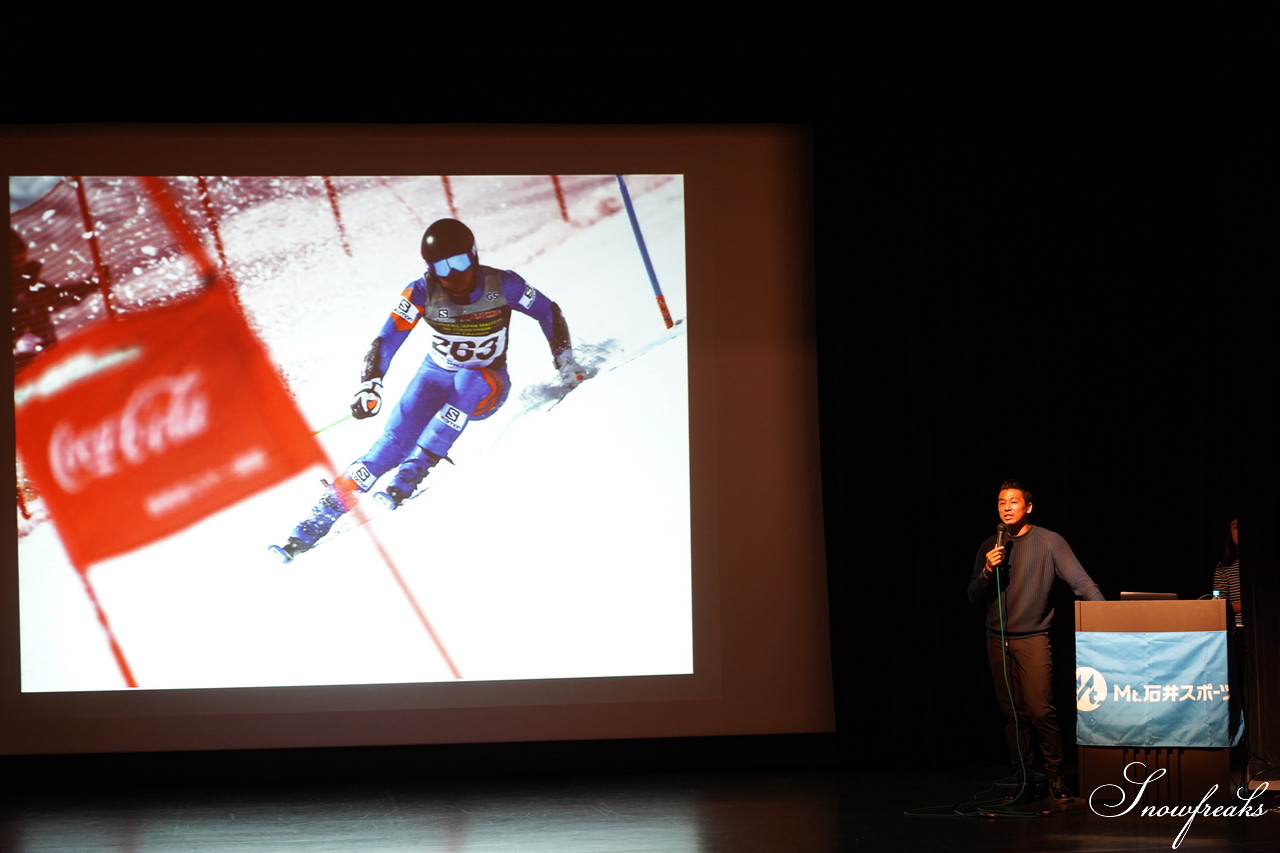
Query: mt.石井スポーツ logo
x,y
1091,689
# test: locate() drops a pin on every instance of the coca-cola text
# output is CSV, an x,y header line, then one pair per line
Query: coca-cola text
x,y
160,414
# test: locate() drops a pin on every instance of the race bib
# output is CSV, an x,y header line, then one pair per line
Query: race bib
x,y
457,351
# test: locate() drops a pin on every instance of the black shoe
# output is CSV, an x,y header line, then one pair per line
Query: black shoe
x,y
1058,788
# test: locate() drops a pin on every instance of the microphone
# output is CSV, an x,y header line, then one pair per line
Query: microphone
x,y
1002,530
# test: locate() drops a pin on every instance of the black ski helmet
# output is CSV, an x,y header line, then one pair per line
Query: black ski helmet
x,y
445,238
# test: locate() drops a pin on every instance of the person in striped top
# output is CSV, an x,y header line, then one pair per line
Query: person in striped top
x,y
1226,574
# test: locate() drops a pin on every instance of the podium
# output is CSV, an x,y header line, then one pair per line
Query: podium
x,y
1190,770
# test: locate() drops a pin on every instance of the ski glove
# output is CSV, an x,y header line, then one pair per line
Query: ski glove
x,y
367,402
571,373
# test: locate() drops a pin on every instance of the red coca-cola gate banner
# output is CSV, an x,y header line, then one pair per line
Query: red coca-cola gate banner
x,y
138,428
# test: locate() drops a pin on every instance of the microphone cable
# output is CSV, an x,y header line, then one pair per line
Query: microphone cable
x,y
994,807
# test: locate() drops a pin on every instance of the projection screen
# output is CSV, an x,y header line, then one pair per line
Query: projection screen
x,y
629,546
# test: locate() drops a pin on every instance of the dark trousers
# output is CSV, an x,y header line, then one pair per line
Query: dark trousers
x,y
1025,698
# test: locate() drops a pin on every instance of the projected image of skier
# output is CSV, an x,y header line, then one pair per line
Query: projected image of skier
x,y
464,377
506,495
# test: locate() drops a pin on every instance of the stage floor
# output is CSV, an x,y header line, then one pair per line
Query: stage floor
x,y
780,810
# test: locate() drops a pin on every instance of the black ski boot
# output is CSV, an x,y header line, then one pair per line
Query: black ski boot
x,y
286,552
410,474
391,498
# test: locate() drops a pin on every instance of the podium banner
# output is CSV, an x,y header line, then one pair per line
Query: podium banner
x,y
1165,688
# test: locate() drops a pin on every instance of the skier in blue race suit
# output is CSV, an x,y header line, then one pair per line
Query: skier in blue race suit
x,y
464,378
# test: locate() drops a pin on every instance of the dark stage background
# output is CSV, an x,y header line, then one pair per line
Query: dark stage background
x,y
1095,319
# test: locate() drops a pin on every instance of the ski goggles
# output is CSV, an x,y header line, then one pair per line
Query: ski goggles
x,y
448,266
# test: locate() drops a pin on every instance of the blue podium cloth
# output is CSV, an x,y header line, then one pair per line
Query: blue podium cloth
x,y
1155,689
